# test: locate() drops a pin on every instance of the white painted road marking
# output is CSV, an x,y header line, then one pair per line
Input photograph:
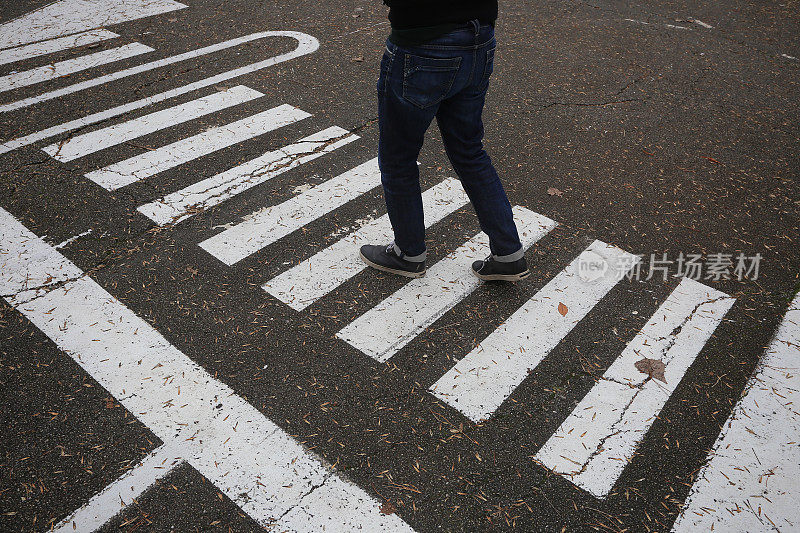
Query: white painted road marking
x,y
65,17
703,24
250,459
306,44
386,328
269,224
671,26
180,205
109,502
597,440
318,275
94,141
480,382
28,51
750,481
81,86
151,163
71,66
72,239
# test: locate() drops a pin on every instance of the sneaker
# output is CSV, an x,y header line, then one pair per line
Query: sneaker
x,y
491,270
385,259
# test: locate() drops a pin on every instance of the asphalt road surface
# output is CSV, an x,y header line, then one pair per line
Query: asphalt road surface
x,y
189,343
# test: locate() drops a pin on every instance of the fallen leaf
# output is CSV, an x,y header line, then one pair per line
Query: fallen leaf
x,y
562,309
358,59
388,507
652,367
552,191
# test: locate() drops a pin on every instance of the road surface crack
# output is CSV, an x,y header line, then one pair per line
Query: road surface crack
x,y
41,290
303,496
671,338
216,191
25,165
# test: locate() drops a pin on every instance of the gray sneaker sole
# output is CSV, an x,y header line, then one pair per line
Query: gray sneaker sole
x,y
502,277
404,273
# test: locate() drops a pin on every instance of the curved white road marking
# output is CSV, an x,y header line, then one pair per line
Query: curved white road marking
x,y
19,104
306,44
259,466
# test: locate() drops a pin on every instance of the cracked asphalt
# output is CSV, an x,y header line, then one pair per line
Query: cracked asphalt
x,y
665,127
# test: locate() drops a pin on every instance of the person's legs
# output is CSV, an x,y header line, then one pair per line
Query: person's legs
x,y
446,78
460,121
402,125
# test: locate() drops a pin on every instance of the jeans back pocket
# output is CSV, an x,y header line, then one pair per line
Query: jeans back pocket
x,y
427,80
489,65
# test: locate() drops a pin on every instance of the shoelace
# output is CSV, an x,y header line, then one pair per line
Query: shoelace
x,y
484,262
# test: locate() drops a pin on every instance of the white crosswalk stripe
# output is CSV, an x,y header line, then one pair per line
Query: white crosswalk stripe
x,y
269,224
151,163
596,441
70,66
318,275
32,50
480,382
94,141
751,478
386,328
212,191
66,17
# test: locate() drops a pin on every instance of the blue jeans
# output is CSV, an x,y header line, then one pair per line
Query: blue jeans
x,y
446,78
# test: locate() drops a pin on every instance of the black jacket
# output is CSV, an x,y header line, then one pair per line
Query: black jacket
x,y
405,14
